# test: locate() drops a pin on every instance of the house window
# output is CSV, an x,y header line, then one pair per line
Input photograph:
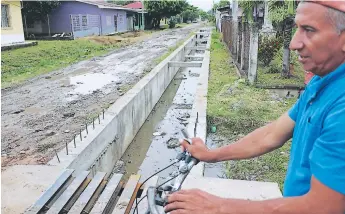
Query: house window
x,y
76,23
5,19
84,21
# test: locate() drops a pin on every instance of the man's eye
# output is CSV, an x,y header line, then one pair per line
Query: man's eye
x,y
308,29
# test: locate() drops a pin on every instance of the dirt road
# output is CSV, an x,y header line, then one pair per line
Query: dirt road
x,y
47,111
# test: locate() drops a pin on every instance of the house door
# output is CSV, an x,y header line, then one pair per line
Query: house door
x,y
115,22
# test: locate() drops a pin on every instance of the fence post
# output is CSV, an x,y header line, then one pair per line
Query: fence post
x,y
239,41
48,24
234,27
26,27
245,47
253,53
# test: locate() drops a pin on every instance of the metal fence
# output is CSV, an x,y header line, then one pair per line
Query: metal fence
x,y
238,42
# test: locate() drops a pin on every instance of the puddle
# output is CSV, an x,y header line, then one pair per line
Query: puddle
x,y
148,153
87,83
286,93
216,170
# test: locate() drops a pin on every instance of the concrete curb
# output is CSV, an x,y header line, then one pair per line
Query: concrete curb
x,y
199,110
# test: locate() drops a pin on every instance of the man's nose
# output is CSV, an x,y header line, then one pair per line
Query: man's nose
x,y
296,42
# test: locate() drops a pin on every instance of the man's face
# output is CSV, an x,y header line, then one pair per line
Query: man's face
x,y
321,49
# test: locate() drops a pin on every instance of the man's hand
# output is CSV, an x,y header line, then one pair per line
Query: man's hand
x,y
194,202
198,149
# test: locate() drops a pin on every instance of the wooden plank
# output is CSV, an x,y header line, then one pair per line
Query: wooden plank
x,y
50,192
68,194
142,207
85,197
124,201
109,192
131,201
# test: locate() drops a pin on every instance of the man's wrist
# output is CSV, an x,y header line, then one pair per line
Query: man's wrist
x,y
212,155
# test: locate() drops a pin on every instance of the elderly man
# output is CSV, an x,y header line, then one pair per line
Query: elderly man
x,y
315,179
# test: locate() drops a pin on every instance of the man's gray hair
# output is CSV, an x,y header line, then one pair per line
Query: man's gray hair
x,y
337,19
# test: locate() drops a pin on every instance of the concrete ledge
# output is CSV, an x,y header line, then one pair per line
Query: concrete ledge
x,y
197,121
7,47
185,64
22,185
196,48
237,189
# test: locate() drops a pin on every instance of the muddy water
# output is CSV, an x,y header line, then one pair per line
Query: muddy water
x,y
149,150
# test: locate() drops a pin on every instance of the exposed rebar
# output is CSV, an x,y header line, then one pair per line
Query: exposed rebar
x,y
57,156
66,148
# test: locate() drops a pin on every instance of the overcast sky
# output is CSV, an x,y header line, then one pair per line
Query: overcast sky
x,y
206,5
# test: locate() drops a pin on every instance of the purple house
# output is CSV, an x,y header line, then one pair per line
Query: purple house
x,y
85,18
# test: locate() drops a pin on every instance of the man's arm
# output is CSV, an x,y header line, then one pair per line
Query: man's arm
x,y
319,200
258,142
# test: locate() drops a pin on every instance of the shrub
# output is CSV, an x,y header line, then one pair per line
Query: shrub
x,y
276,64
268,47
172,22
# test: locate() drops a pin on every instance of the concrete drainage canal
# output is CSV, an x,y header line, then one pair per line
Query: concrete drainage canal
x,y
134,138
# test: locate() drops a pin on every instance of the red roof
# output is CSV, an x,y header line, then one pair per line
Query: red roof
x,y
134,5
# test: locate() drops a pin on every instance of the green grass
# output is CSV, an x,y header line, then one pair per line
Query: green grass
x,y
275,79
21,64
237,109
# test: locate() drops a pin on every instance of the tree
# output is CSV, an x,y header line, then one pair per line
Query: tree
x,y
221,3
204,15
38,10
281,15
190,13
164,8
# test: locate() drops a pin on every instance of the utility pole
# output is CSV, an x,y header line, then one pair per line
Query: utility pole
x,y
142,15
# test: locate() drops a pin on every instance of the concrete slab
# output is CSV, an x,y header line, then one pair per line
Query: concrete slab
x,y
237,189
196,48
22,185
185,64
6,47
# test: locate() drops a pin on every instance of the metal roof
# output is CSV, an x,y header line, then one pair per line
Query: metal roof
x,y
106,5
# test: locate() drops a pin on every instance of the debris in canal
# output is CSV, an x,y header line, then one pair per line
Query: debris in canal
x,y
159,133
173,143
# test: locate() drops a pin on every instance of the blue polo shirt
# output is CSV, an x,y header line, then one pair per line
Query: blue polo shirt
x,y
318,144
